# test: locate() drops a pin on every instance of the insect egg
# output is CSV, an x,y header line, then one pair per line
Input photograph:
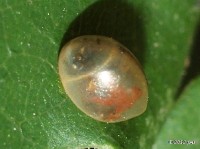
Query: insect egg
x,y
102,78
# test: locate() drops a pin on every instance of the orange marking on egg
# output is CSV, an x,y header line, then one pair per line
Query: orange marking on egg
x,y
120,100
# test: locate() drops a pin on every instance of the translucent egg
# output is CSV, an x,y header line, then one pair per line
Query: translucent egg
x,y
102,78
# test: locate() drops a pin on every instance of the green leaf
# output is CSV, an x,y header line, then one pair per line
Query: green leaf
x,y
181,129
34,110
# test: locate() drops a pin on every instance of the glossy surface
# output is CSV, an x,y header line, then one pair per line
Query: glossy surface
x,y
103,78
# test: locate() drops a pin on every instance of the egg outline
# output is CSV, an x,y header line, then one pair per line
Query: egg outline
x,y
123,50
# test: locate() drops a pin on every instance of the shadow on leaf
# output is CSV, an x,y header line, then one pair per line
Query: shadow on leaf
x,y
113,18
193,68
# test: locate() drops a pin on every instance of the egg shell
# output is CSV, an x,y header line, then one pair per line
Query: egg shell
x,y
103,78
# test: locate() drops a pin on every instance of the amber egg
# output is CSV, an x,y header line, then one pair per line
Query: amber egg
x,y
102,78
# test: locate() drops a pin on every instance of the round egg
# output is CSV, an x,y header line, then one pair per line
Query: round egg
x,y
102,78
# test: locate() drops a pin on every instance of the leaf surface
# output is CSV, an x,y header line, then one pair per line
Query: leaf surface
x,y
34,110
